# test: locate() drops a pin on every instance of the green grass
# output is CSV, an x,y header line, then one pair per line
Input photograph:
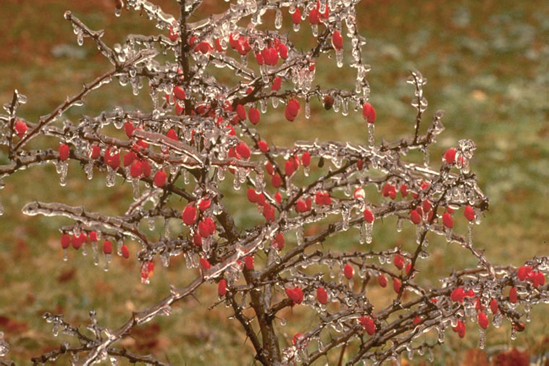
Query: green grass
x,y
487,65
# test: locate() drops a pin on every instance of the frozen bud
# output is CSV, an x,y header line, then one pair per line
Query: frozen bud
x,y
328,102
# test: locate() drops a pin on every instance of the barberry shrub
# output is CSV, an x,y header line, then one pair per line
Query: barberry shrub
x,y
202,143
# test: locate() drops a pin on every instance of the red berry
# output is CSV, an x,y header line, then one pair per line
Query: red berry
x,y
404,190
469,213
301,206
523,272
483,320
107,247
282,51
396,285
125,251
296,16
314,17
417,320
494,306
382,280
204,204
280,241
129,158
160,178
415,216
93,236
369,113
277,84
276,181
457,295
259,59
337,41
348,271
20,128
222,288
253,115
295,294
179,93
368,216
205,264
513,297
96,152
289,168
189,214
368,324
172,34
249,262
447,220
65,241
64,152
306,158
322,296
136,169
243,150
398,261
129,128
263,146
450,155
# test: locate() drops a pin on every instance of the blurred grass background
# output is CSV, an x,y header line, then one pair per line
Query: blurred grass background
x,y
487,63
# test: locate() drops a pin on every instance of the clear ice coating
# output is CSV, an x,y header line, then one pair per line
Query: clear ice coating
x,y
197,150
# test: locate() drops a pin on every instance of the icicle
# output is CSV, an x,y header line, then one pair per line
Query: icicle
x,y
151,223
345,213
470,233
65,254
306,171
135,186
278,19
119,244
339,58
371,139
107,261
167,233
368,232
236,180
221,174
448,233
62,168
482,338
88,169
399,225
513,333
362,235
419,233
296,27
186,177
314,30
527,311
299,235
95,253
307,109
111,177
426,157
